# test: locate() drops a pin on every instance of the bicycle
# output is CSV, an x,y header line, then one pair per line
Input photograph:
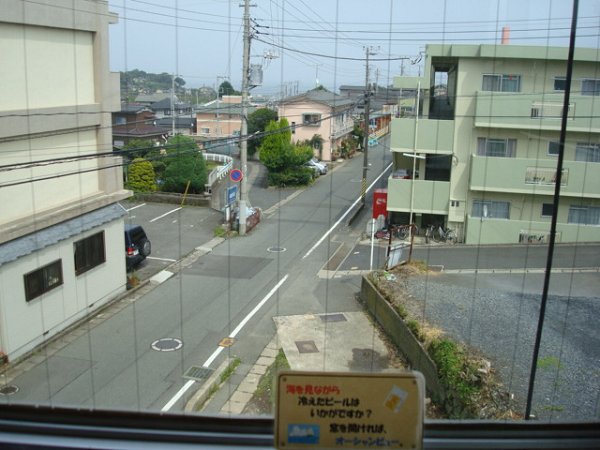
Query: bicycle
x,y
444,235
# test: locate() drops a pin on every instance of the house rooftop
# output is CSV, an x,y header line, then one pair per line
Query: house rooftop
x,y
322,96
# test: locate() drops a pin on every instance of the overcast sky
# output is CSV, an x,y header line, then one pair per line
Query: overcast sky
x,y
201,40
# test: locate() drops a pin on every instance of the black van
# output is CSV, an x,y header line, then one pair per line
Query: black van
x,y
137,245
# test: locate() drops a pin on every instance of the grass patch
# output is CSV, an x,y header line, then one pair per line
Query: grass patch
x,y
549,362
235,362
263,400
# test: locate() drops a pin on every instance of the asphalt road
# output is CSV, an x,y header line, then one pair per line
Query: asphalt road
x,y
136,355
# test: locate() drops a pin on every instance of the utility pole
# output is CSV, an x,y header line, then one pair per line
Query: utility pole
x,y
363,190
173,104
244,130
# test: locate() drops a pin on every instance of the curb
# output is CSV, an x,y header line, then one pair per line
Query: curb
x,y
205,390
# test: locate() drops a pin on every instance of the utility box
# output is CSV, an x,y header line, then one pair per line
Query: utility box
x,y
380,203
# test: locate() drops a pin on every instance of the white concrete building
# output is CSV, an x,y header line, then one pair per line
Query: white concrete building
x,y
61,227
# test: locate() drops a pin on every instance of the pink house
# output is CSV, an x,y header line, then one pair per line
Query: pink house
x,y
319,112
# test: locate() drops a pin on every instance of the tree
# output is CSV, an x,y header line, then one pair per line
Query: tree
x,y
225,88
137,148
257,122
179,82
184,163
283,159
141,176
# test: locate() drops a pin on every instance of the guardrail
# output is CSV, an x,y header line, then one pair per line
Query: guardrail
x,y
219,172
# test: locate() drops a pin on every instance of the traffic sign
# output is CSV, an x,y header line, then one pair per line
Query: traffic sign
x,y
231,194
236,175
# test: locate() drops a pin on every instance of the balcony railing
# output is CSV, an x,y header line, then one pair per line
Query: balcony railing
x,y
536,111
533,176
433,136
430,197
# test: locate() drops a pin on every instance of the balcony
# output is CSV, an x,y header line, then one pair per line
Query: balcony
x,y
430,197
536,111
434,136
532,176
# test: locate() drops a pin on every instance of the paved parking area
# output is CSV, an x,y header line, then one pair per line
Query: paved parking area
x,y
173,231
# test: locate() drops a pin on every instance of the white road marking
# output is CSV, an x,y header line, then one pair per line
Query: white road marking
x,y
162,276
233,334
320,241
165,214
135,207
161,259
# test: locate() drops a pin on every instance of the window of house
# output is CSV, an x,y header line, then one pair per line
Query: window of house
x,y
560,83
492,209
547,209
590,87
587,152
89,253
553,148
43,280
501,83
311,119
205,130
503,148
120,120
584,215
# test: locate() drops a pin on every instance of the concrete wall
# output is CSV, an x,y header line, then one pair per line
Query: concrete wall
x,y
401,336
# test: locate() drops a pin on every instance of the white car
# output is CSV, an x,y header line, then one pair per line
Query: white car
x,y
318,165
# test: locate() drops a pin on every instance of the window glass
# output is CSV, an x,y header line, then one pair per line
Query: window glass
x,y
584,215
590,87
491,209
89,253
559,83
502,148
553,148
587,152
547,209
43,280
501,83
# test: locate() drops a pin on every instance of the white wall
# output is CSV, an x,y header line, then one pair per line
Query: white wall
x,y
45,67
54,192
23,324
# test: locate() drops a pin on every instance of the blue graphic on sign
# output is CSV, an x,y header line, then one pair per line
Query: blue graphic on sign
x,y
231,194
303,433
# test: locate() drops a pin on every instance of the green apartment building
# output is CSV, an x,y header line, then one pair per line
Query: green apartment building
x,y
484,142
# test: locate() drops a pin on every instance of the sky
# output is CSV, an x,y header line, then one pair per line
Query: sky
x,y
302,42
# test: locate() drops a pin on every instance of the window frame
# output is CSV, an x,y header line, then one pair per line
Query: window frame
x,y
311,119
545,204
490,203
589,210
510,147
552,144
562,79
90,257
499,85
592,152
44,278
595,91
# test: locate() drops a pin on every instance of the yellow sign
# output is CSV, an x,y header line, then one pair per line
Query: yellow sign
x,y
342,410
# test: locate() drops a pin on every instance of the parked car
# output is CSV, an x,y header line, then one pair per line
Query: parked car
x,y
137,245
318,165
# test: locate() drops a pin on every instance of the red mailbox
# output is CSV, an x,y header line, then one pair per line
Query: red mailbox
x,y
379,203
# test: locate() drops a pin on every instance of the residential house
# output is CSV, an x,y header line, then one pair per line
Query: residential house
x,y
319,112
486,140
136,121
168,107
61,228
221,117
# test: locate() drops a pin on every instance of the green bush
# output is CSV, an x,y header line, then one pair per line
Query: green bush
x,y
141,176
457,375
415,329
295,176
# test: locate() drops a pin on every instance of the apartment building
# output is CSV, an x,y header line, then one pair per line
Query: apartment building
x,y
484,143
61,227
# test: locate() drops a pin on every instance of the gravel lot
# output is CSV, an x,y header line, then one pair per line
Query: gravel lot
x,y
500,319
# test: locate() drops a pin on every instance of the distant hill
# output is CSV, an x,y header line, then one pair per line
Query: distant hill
x,y
135,82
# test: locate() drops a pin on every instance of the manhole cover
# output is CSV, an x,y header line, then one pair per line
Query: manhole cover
x,y
167,344
9,389
335,317
198,373
307,347
276,249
